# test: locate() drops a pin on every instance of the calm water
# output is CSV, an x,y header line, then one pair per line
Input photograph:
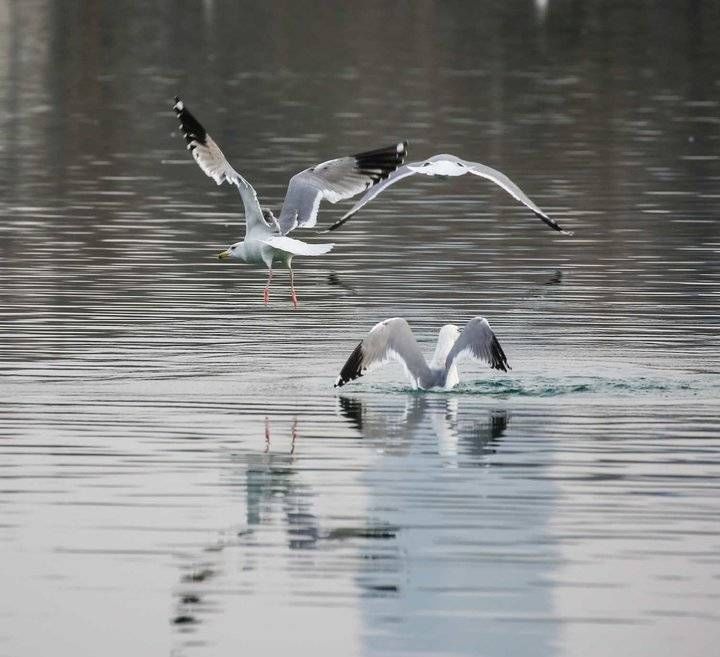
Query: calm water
x,y
178,475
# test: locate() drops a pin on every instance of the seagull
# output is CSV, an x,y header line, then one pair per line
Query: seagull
x,y
393,339
445,166
266,240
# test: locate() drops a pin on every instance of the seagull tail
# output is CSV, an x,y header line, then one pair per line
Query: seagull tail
x,y
297,247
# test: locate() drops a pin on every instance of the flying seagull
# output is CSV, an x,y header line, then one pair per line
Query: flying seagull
x,y
445,166
266,240
394,340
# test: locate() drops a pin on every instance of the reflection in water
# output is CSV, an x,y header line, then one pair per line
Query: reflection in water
x,y
338,281
279,496
135,374
394,430
276,496
457,566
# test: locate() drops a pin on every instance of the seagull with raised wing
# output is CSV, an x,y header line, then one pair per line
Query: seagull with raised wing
x,y
393,340
266,241
445,166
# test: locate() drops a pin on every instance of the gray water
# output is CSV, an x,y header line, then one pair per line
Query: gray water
x,y
177,473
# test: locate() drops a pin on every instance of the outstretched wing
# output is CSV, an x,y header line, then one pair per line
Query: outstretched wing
x,y
395,176
449,165
389,340
212,161
477,341
511,188
296,247
334,181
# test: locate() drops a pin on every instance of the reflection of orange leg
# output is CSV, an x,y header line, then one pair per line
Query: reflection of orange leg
x,y
267,435
266,291
294,436
293,296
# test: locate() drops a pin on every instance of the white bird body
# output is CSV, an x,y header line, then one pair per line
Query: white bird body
x,y
266,240
393,340
443,165
446,339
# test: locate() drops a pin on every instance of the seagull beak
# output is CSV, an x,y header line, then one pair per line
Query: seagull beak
x,y
224,255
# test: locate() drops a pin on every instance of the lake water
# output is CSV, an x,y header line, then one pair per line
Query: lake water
x,y
178,475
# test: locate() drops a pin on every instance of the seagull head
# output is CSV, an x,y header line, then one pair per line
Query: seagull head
x,y
233,252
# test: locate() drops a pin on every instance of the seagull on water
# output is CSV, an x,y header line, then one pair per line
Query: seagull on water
x,y
445,166
266,240
393,339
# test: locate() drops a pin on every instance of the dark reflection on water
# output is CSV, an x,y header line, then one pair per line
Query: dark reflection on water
x,y
567,507
434,415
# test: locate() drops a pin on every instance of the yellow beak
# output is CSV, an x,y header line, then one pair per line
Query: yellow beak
x,y
224,255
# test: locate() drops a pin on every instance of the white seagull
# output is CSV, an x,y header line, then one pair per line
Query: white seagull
x,y
394,340
450,166
266,240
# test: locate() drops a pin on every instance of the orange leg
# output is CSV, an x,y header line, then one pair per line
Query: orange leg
x,y
266,291
293,296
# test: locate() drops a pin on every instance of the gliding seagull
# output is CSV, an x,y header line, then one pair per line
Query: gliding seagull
x,y
445,166
266,238
394,340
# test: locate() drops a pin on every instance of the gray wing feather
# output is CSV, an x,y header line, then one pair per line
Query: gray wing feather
x,y
335,180
392,339
213,163
477,341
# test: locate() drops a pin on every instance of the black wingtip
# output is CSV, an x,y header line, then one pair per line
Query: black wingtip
x,y
552,223
352,369
499,360
380,163
339,223
192,129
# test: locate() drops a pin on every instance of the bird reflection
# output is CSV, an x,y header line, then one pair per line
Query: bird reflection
x,y
275,495
278,494
271,476
293,434
335,279
457,427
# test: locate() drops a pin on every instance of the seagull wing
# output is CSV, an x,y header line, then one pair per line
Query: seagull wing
x,y
212,161
478,342
511,188
334,181
296,247
395,176
389,340
449,165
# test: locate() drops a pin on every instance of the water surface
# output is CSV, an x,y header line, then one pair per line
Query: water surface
x,y
178,475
